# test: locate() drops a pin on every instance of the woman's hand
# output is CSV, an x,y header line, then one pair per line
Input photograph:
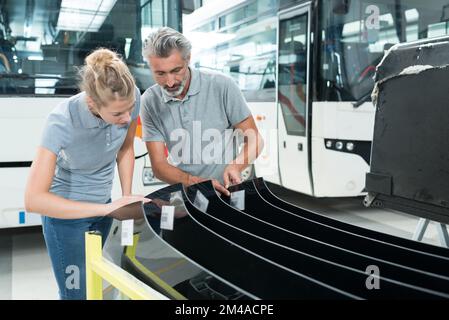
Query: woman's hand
x,y
123,201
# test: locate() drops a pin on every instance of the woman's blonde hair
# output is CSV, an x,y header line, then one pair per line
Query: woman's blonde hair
x,y
105,78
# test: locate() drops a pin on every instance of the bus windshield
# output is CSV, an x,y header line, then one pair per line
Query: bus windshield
x,y
42,43
241,43
355,34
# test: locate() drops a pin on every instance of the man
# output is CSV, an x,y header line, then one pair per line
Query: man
x,y
193,113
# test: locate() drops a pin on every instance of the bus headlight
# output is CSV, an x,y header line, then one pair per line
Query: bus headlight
x,y
339,145
350,146
355,147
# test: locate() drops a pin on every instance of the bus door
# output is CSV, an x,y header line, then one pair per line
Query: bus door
x,y
292,98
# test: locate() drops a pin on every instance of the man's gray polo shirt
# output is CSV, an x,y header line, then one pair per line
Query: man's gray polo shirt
x,y
198,129
86,149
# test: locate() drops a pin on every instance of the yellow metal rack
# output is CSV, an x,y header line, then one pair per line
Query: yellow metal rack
x,y
99,268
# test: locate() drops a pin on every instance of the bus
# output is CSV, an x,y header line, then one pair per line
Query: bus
x,y
306,69
42,43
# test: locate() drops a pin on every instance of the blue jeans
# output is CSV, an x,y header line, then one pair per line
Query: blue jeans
x,y
65,244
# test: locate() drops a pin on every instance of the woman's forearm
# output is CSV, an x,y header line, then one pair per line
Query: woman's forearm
x,y
125,166
39,199
51,205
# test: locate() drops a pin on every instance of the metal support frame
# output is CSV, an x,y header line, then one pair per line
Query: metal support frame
x,y
130,252
422,227
99,268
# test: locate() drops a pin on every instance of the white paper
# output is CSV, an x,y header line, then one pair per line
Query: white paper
x,y
167,217
201,201
238,200
127,232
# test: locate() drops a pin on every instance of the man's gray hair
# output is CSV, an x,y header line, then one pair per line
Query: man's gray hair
x,y
161,43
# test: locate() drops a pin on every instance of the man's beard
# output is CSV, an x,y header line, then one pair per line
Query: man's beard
x,y
180,89
177,92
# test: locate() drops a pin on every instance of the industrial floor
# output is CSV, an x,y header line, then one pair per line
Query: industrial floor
x,y
25,270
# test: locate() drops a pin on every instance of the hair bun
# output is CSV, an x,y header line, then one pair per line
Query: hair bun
x,y
101,58
105,77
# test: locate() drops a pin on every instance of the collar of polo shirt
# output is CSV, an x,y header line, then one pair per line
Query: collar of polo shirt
x,y
88,120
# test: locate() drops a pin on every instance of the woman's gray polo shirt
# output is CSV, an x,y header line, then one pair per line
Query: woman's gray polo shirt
x,y
197,130
86,148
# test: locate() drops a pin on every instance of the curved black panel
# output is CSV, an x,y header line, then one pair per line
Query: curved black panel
x,y
235,263
264,192
161,266
217,252
302,222
318,259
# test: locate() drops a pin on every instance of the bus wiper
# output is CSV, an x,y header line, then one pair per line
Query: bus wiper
x,y
362,100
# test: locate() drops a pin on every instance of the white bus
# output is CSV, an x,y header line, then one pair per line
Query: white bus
x,y
306,69
41,44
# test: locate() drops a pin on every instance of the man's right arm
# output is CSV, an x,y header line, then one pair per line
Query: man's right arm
x,y
170,174
161,168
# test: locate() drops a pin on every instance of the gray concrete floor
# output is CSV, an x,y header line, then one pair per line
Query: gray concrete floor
x,y
25,270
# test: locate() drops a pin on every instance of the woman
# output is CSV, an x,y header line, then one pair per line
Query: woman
x,y
71,176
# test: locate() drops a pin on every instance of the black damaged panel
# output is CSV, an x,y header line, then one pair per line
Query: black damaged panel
x,y
433,52
411,136
411,133
378,183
